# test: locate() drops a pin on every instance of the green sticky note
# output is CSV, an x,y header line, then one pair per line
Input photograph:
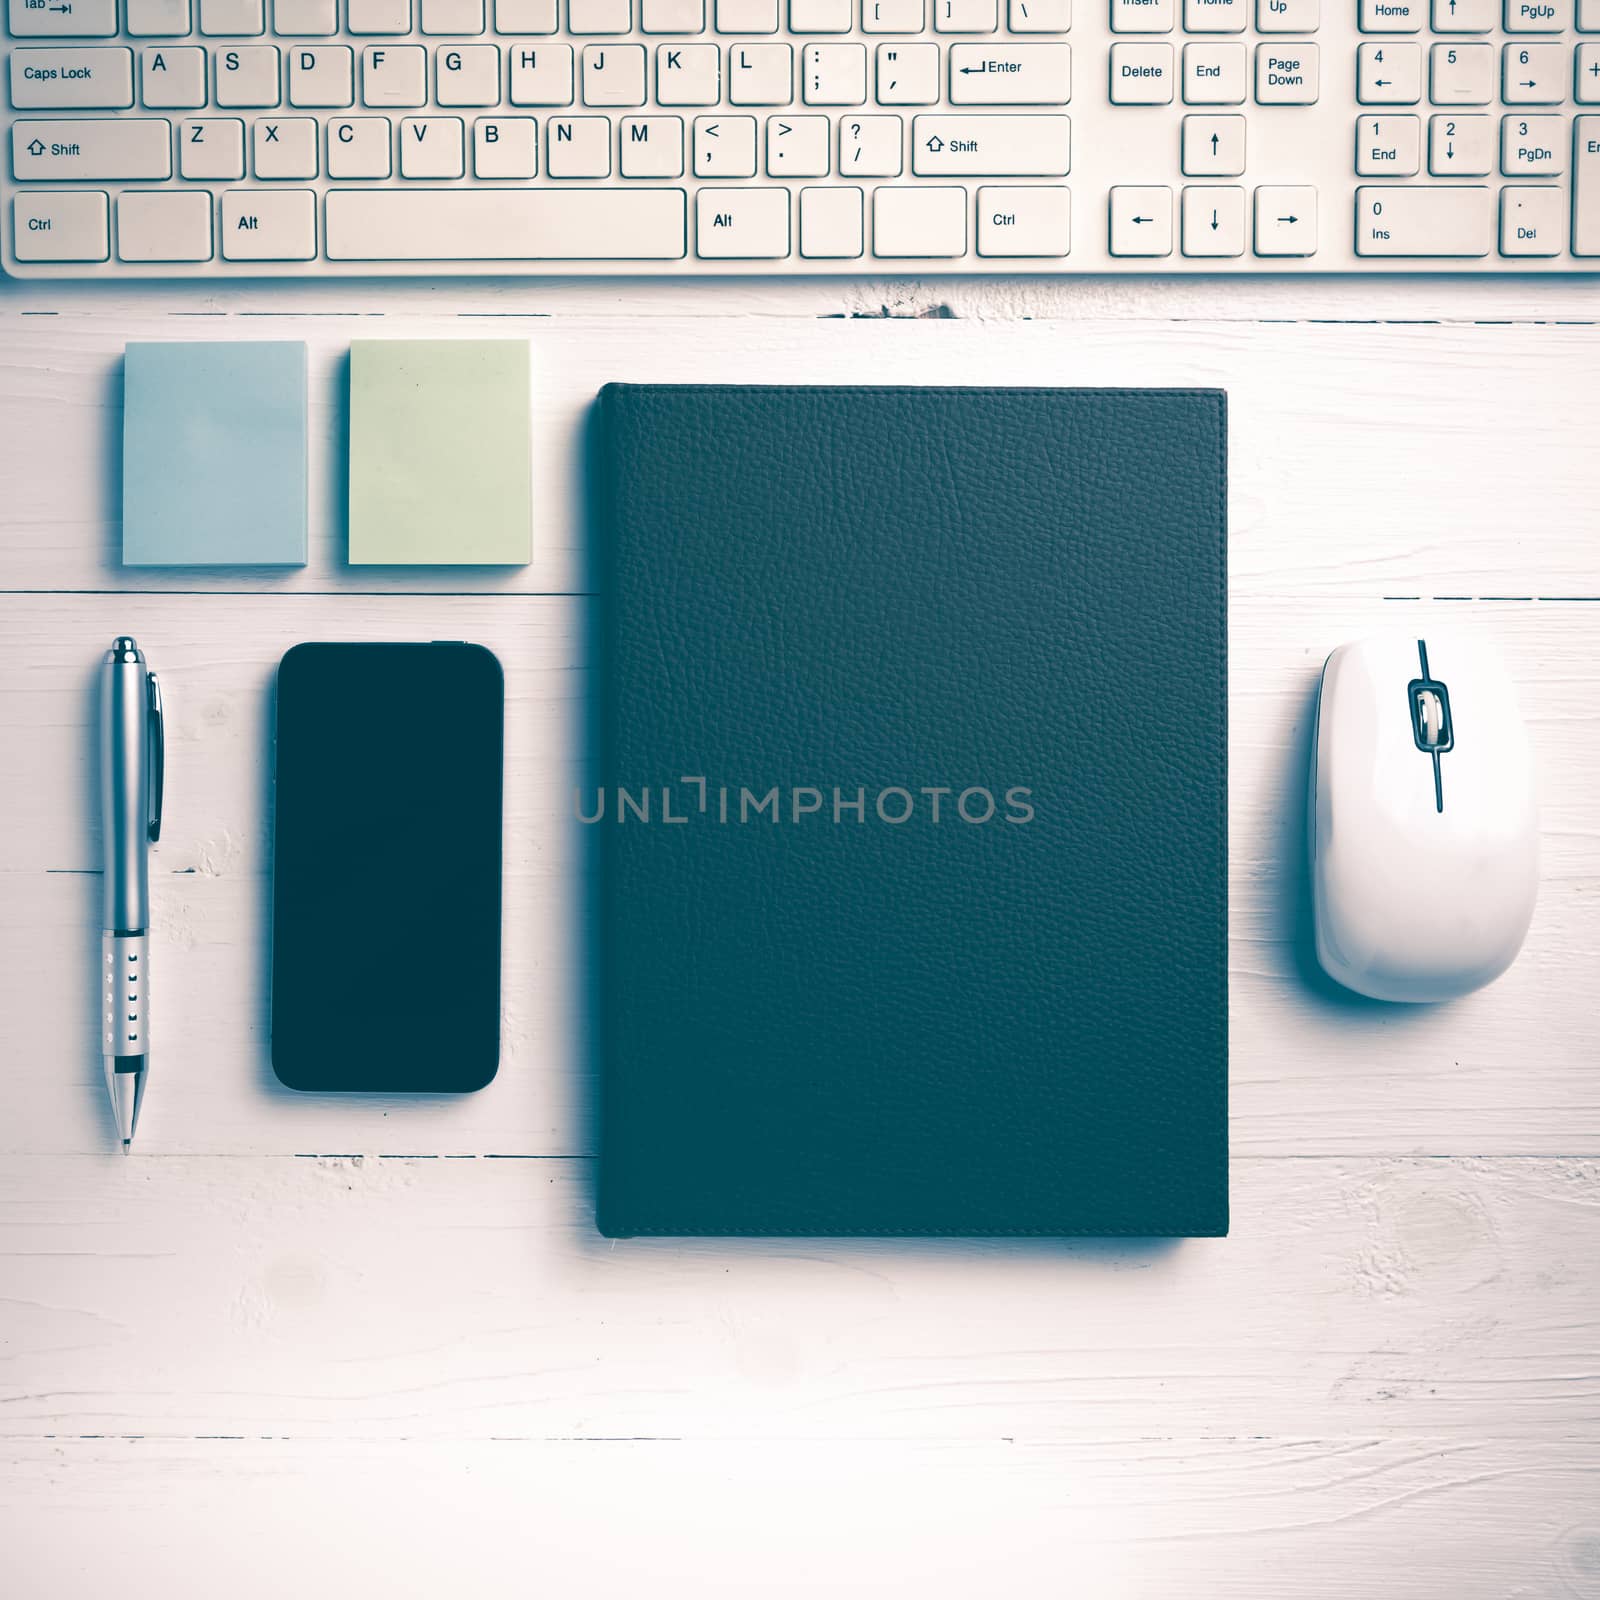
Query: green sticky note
x,y
440,452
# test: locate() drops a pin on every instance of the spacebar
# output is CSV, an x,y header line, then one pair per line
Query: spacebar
x,y
505,224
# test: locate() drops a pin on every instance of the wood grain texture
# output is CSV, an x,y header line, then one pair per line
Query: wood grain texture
x,y
1368,1518
429,1298
333,1345
1364,460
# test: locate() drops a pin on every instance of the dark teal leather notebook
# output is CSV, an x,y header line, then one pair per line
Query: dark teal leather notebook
x,y
909,811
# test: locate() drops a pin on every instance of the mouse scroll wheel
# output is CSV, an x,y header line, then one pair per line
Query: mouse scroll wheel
x,y
1430,717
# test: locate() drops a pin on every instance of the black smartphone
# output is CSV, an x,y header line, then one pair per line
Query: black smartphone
x,y
386,867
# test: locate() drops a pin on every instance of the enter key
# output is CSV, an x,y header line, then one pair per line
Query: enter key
x,y
1586,186
1011,74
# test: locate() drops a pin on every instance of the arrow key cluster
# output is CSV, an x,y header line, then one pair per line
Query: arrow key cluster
x,y
1214,221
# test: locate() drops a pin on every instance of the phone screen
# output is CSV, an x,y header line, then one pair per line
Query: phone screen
x,y
386,867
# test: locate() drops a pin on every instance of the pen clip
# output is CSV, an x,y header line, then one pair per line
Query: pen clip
x,y
158,757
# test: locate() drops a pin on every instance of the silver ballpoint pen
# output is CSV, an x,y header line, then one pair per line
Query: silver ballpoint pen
x,y
132,759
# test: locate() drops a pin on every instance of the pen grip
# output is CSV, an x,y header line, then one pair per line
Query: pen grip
x,y
124,1003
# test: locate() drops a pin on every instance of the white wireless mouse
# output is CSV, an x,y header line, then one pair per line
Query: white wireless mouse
x,y
1424,823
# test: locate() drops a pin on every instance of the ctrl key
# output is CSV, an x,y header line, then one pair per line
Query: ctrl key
x,y
61,226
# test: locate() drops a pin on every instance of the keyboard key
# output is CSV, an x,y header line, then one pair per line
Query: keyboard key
x,y
470,75
760,75
164,227
1215,74
578,147
613,75
601,16
926,222
1533,74
396,75
61,225
99,148
1141,74
1465,16
541,75
1034,222
1460,147
1538,16
871,147
833,74
1461,74
1010,74
746,16
1586,186
1388,147
892,16
1286,75
669,16
724,147
945,145
742,224
322,76
248,76
269,225
1389,74
233,18
83,76
907,74
960,16
361,147
1039,16
506,225
831,224
799,147
1286,220
1424,221
1533,146
79,19
156,19
1143,16
688,74
1216,16
1586,90
650,147
1392,16
458,18
1533,222
506,147
285,148
1588,16
1141,221
211,149
821,16
1213,147
435,147
1288,16
534,16
367,17
305,19
1213,222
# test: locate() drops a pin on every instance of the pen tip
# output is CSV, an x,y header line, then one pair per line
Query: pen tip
x,y
125,1144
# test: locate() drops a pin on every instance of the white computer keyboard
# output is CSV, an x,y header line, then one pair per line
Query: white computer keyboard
x,y
229,138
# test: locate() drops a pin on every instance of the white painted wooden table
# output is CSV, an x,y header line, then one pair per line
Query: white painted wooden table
x,y
331,1345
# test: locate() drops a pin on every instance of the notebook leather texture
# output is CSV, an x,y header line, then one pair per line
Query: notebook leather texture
x,y
907,808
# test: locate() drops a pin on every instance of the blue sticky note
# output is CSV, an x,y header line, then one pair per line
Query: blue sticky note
x,y
214,455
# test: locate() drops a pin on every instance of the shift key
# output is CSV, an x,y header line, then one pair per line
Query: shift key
x,y
1003,146
103,147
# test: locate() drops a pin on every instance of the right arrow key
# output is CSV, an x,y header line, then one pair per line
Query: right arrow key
x,y
1286,220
